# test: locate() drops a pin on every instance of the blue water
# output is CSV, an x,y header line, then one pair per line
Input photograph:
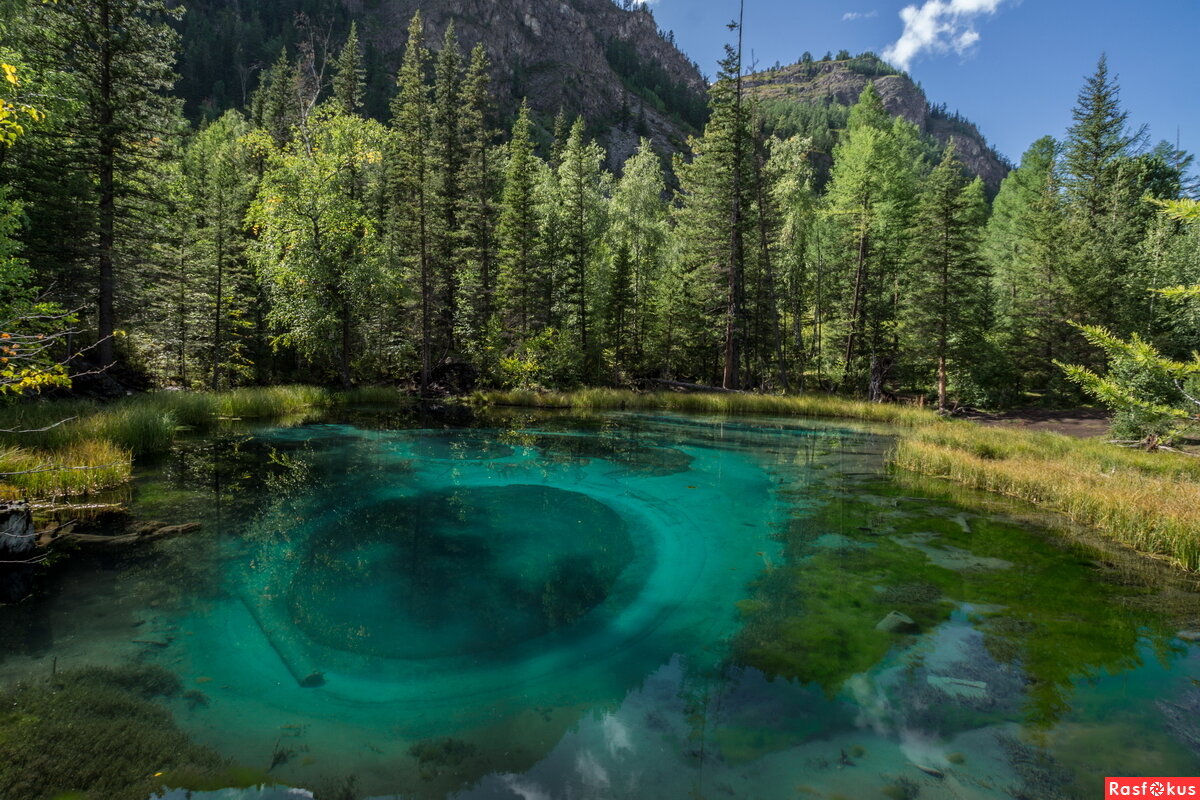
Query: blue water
x,y
622,605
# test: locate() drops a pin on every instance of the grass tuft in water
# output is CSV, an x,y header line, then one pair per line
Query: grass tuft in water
x,y
77,469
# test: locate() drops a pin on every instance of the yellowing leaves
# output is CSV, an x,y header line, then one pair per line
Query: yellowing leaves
x,y
10,74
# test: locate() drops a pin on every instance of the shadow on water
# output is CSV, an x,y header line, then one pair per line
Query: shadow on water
x,y
529,604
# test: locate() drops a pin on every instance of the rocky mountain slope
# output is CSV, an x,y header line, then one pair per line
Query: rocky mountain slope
x,y
835,84
607,62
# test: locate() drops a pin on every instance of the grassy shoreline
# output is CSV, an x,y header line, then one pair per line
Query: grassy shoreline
x,y
1149,502
70,448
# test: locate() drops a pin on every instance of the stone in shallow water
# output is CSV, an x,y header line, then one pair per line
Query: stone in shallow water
x,y
895,622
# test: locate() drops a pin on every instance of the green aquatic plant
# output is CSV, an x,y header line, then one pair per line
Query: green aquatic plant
x,y
851,561
97,731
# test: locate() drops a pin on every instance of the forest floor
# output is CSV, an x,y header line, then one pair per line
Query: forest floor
x,y
1082,423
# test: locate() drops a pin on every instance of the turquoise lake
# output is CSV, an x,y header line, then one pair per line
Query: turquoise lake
x,y
619,605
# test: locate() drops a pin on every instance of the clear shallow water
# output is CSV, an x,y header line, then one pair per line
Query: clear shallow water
x,y
620,605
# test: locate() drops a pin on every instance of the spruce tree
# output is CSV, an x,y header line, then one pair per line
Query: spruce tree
x,y
446,163
478,211
948,278
583,212
349,76
518,230
409,187
115,60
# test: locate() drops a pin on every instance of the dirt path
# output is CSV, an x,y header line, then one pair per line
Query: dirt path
x,y
1084,423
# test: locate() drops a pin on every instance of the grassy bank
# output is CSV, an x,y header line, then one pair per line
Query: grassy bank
x,y
1147,501
808,405
75,447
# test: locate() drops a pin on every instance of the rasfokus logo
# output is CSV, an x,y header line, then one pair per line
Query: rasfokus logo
x,y
1151,787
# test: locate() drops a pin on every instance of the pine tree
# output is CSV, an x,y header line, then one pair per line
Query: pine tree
x,y
580,185
115,60
1022,246
274,106
715,191
349,76
1101,232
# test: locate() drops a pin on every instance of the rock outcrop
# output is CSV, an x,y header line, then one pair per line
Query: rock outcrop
x,y
841,82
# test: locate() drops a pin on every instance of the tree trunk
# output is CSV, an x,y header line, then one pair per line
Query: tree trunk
x,y
106,207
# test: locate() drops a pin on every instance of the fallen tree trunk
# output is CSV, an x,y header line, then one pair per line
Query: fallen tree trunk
x,y
686,387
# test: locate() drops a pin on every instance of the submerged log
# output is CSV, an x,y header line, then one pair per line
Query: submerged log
x,y
143,532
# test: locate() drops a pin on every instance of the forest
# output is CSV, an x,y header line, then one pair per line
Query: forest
x,y
445,247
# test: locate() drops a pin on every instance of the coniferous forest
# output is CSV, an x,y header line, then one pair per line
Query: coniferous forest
x,y
449,244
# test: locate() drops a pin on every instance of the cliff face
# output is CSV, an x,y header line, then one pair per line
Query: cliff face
x,y
562,54
841,82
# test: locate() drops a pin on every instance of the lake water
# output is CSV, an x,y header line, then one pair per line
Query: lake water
x,y
617,605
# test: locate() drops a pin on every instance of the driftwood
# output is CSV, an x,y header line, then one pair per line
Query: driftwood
x,y
681,386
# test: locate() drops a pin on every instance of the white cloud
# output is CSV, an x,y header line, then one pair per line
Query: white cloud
x,y
850,16
938,26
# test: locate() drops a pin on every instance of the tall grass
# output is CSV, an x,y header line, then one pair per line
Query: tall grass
x,y
52,438
80,468
1147,501
805,405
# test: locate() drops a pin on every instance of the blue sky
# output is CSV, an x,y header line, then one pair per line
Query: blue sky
x,y
1014,67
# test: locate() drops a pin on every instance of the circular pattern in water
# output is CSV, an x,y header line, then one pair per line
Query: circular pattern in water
x,y
456,572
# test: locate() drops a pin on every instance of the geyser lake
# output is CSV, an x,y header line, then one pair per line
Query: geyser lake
x,y
626,605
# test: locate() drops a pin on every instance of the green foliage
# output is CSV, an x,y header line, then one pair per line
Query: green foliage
x,y
1152,396
318,248
117,711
